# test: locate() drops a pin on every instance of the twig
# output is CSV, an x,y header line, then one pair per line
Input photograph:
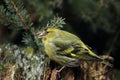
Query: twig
x,y
58,21
19,14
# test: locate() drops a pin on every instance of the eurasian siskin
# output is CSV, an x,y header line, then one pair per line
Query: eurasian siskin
x,y
66,48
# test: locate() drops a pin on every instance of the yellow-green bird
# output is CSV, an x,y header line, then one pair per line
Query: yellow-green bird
x,y
66,48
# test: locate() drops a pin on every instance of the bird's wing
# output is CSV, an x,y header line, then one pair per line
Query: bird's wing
x,y
70,45
72,49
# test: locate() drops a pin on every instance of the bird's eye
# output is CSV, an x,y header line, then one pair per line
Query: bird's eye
x,y
45,28
47,32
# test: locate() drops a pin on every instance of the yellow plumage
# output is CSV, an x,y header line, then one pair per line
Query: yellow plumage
x,y
66,48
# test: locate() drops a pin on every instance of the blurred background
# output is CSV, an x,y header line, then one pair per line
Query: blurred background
x,y
96,22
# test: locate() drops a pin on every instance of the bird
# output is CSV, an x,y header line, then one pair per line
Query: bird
x,y
66,48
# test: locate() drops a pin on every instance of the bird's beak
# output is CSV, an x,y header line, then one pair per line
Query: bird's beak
x,y
41,34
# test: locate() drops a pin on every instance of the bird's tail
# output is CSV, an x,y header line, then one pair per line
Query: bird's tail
x,y
107,63
101,59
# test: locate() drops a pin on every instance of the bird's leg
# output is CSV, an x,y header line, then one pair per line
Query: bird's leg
x,y
56,72
61,69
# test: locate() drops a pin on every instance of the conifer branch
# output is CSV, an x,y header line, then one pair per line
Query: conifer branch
x,y
19,14
56,22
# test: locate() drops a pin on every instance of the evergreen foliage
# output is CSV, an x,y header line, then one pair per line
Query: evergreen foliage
x,y
13,12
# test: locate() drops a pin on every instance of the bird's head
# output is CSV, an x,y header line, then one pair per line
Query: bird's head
x,y
51,30
48,31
